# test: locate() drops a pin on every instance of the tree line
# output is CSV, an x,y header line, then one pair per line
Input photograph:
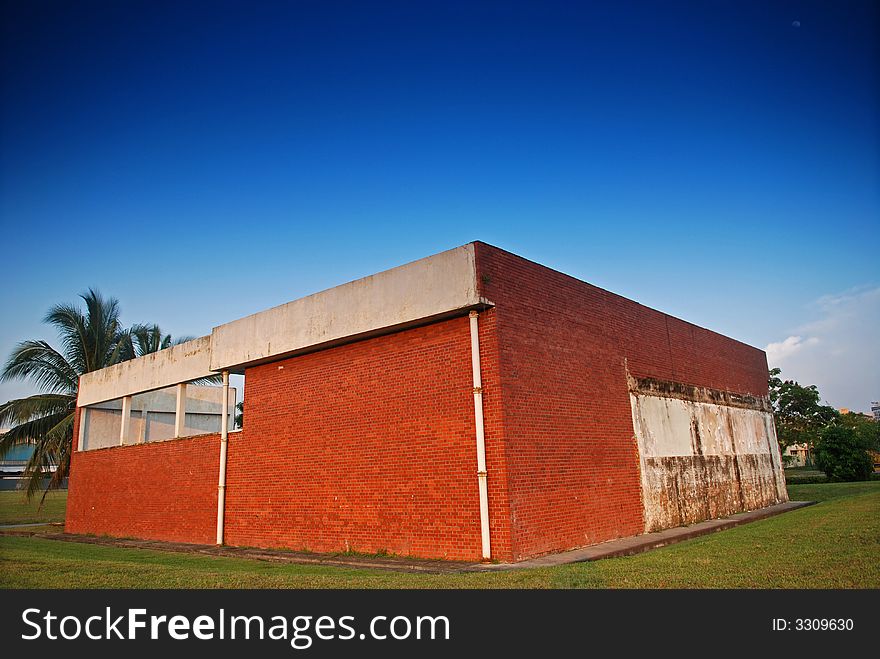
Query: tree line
x,y
841,445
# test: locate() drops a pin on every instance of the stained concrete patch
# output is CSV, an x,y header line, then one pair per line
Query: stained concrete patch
x,y
704,454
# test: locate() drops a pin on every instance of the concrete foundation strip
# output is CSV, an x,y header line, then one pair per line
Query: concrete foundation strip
x,y
611,549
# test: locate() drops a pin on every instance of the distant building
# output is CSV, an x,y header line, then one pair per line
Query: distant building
x,y
795,455
875,410
13,463
846,410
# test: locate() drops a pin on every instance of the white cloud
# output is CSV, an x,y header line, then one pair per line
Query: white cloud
x,y
778,352
838,350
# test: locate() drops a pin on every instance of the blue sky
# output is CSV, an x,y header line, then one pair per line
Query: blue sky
x,y
201,161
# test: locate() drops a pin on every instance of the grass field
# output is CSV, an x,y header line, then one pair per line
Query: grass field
x,y
16,509
835,544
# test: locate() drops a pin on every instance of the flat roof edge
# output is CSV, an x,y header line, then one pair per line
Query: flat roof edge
x,y
408,293
417,292
180,363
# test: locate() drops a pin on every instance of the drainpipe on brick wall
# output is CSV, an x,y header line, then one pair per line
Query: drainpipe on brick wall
x,y
224,440
481,436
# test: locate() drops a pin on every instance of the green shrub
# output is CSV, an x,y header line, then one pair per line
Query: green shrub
x,y
842,454
797,479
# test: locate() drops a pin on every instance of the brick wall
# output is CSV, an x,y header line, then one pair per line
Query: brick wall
x,y
159,490
370,446
564,347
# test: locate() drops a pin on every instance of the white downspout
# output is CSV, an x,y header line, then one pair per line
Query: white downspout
x,y
481,436
224,440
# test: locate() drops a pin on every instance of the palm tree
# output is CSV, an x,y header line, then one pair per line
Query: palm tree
x,y
145,339
90,341
238,421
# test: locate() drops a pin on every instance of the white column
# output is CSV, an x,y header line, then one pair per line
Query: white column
x,y
83,419
180,411
125,427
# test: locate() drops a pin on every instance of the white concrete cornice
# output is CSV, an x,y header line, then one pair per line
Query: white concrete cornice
x,y
422,289
433,287
180,363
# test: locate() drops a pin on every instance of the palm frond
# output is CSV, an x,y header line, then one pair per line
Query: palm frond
x,y
103,328
31,432
122,350
61,472
51,436
91,339
147,339
63,435
53,451
22,410
71,326
43,365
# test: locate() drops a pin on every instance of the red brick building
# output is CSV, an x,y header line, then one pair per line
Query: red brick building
x,y
470,404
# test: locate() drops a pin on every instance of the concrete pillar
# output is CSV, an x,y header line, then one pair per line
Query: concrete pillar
x,y
180,411
83,419
125,427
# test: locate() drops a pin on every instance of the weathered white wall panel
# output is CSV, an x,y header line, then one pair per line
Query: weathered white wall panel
x,y
101,428
703,460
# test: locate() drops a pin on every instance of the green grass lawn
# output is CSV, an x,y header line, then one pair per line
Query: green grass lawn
x,y
830,491
834,544
16,509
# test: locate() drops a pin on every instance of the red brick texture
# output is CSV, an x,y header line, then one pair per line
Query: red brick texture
x,y
159,490
369,446
564,348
